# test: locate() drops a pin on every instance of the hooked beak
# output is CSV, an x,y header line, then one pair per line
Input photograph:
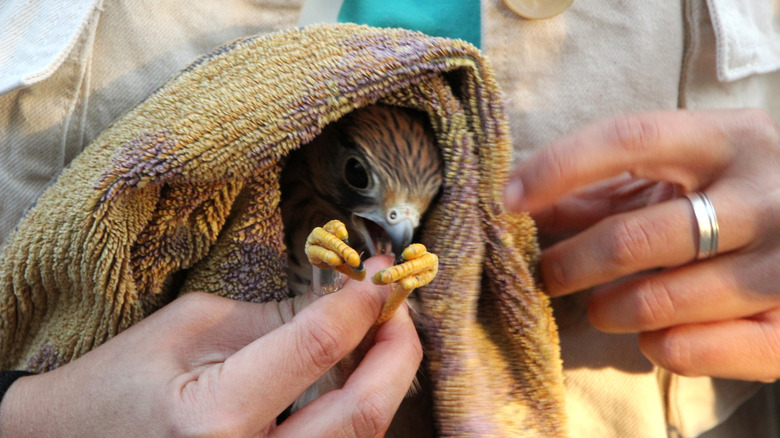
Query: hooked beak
x,y
387,231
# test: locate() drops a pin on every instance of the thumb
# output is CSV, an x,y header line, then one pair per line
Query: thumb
x,y
236,324
277,367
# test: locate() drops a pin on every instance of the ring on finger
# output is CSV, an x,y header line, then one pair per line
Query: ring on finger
x,y
707,222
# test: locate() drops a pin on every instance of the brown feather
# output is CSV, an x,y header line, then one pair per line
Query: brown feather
x,y
398,147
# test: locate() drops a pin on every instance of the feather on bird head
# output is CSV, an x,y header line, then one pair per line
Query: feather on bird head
x,y
379,166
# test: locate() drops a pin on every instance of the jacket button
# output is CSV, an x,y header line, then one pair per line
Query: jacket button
x,y
537,9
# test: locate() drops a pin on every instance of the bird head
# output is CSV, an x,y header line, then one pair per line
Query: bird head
x,y
387,170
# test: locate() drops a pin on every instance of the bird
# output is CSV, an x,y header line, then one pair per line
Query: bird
x,y
359,189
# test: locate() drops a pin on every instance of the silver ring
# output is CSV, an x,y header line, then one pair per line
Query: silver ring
x,y
708,225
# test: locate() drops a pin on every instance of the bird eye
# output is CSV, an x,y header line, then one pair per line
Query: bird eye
x,y
355,173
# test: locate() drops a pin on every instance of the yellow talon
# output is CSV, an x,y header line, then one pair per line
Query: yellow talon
x,y
422,279
419,269
357,273
337,228
326,249
414,251
319,255
425,262
323,239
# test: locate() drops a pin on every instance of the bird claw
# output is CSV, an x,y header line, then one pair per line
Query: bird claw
x,y
419,267
326,248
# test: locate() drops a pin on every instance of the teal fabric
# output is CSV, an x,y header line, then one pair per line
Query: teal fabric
x,y
444,18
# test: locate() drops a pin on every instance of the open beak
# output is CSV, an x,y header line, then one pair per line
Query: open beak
x,y
387,231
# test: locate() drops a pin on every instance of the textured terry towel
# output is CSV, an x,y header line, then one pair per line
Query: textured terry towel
x,y
182,194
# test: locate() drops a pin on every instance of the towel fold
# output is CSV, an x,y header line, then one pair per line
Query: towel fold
x,y
182,194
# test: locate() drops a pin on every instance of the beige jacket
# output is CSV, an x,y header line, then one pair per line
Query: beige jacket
x,y
67,72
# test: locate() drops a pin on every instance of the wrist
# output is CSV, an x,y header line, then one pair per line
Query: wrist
x,y
12,405
39,405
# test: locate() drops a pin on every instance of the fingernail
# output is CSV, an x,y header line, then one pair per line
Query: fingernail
x,y
514,194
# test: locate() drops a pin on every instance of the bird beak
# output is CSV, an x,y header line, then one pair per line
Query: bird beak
x,y
388,230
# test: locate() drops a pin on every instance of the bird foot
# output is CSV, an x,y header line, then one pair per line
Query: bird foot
x,y
418,268
327,248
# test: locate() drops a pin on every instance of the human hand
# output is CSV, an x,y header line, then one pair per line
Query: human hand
x,y
210,366
612,186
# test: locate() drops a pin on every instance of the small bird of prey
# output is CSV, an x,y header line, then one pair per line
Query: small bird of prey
x,y
357,190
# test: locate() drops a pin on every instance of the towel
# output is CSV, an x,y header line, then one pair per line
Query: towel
x,y
182,194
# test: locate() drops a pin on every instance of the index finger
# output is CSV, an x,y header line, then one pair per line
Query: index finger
x,y
680,147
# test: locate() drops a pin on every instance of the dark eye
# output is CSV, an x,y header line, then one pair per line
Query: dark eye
x,y
355,173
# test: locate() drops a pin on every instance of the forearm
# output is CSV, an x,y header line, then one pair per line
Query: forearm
x,y
61,403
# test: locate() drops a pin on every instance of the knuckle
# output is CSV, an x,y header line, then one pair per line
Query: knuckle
x,y
557,277
415,351
206,425
763,213
768,345
193,302
181,415
372,415
754,128
195,308
673,353
182,429
412,351
629,243
558,163
633,132
556,166
318,345
655,305
763,127
176,424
